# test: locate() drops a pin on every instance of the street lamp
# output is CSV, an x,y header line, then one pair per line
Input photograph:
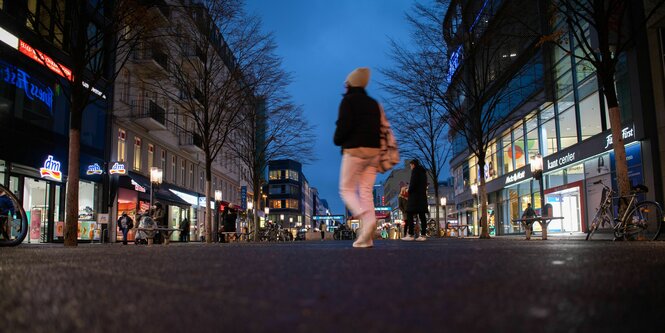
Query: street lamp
x,y
155,179
445,215
218,200
537,172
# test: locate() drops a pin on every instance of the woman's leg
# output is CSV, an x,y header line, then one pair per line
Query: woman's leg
x,y
366,179
423,224
349,175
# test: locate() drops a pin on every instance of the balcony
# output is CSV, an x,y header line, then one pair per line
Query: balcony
x,y
149,115
191,142
195,59
151,61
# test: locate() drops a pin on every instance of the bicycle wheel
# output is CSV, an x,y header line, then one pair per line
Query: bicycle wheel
x,y
644,221
13,229
595,224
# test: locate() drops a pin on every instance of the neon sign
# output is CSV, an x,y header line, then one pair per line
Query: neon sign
x,y
33,88
51,169
94,169
118,168
45,60
138,187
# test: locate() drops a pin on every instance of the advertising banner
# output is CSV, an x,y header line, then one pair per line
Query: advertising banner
x,y
35,222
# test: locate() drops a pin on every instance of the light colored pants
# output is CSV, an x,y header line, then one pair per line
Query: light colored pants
x,y
356,182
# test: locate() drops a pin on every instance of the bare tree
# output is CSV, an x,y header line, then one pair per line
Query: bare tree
x,y
416,79
91,33
493,73
603,31
220,60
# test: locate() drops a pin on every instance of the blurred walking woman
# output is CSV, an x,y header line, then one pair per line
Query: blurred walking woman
x,y
358,133
417,201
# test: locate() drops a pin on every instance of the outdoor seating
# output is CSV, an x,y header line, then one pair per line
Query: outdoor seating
x,y
544,221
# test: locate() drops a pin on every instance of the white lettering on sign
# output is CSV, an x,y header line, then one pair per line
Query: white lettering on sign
x,y
138,187
51,169
94,169
118,168
561,161
627,132
515,177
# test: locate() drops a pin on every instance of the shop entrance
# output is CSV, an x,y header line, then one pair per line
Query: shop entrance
x,y
566,203
41,201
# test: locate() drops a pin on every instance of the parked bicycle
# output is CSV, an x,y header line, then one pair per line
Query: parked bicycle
x,y
642,220
343,232
431,228
275,233
13,220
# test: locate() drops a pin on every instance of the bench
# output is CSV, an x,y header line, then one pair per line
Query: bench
x,y
150,233
544,221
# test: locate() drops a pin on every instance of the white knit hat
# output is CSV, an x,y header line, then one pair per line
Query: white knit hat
x,y
358,78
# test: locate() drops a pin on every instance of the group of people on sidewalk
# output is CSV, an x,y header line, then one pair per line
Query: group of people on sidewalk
x,y
155,218
358,133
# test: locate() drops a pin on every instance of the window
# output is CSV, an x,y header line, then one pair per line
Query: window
x,y
292,203
174,168
275,174
275,203
291,174
531,140
163,163
191,175
122,148
548,133
518,147
507,149
201,176
568,128
151,155
183,168
276,189
126,84
137,153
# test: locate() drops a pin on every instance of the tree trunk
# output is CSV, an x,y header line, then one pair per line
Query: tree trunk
x,y
257,199
72,201
209,211
619,155
482,194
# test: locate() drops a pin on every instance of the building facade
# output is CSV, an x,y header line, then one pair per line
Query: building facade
x,y
35,81
564,118
289,197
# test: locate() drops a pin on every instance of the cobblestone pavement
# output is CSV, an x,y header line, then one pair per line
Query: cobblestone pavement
x,y
442,285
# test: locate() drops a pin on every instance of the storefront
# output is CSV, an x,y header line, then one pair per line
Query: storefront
x,y
134,199
568,179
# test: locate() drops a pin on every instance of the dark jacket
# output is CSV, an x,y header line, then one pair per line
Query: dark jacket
x,y
417,202
6,205
129,222
159,216
359,121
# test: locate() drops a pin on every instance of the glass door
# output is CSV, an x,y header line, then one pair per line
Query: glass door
x,y
35,203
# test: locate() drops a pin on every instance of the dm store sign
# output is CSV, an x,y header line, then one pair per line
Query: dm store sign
x,y
51,169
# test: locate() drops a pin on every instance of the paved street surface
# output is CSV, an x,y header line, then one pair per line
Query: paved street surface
x,y
442,285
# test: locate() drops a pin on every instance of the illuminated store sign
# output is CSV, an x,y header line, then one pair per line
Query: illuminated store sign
x,y
515,177
9,39
45,60
51,169
94,169
33,88
560,161
138,187
118,169
627,132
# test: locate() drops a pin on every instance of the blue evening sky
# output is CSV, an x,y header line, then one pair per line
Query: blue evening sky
x,y
321,41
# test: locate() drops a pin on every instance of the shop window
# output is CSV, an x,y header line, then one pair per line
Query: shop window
x,y
122,145
473,171
506,148
137,153
87,215
518,147
531,140
568,128
575,173
555,179
151,155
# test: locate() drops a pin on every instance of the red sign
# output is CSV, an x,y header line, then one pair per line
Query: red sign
x,y
45,60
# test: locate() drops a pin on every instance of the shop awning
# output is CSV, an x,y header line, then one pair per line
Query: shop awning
x,y
141,184
164,194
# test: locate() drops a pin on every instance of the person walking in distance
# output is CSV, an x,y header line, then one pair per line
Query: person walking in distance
x,y
401,203
125,223
358,133
184,230
417,202
7,211
322,227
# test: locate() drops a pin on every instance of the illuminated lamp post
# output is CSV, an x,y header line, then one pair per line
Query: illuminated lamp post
x,y
445,215
474,191
537,172
156,176
218,201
